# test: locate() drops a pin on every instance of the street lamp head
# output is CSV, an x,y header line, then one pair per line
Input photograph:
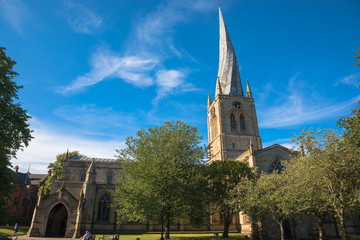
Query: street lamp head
x,y
163,202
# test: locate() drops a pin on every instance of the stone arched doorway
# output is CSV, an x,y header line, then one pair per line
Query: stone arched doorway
x,y
57,221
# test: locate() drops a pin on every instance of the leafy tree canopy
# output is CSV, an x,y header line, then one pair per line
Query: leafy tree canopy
x,y
57,167
224,176
163,163
15,133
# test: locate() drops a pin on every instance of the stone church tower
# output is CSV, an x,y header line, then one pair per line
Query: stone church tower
x,y
232,121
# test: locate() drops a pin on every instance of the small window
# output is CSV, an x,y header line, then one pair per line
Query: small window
x,y
242,123
109,179
233,145
232,121
83,176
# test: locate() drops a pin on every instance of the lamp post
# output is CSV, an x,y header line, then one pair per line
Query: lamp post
x,y
162,219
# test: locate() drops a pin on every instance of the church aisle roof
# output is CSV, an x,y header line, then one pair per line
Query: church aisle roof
x,y
228,74
88,159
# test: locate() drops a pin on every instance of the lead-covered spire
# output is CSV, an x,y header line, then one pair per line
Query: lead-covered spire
x,y
228,74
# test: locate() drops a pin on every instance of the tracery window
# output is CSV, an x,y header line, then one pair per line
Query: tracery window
x,y
276,166
232,121
104,209
242,123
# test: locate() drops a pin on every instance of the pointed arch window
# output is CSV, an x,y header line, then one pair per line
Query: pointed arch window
x,y
109,179
232,121
104,209
242,123
276,166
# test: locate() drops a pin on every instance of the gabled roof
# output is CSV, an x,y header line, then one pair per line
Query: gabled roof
x,y
35,179
272,147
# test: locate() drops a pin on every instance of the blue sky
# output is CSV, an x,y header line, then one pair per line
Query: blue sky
x,y
94,72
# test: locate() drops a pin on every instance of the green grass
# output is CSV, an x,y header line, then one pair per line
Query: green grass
x,y
7,231
176,236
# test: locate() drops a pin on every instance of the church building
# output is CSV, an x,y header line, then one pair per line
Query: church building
x,y
80,199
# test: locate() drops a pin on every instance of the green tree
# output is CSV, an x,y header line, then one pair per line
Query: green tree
x,y
163,163
57,167
350,126
308,190
224,176
15,133
272,194
335,160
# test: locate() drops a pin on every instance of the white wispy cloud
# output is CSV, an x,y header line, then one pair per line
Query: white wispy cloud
x,y
15,13
154,40
82,19
48,143
299,107
134,70
171,82
353,79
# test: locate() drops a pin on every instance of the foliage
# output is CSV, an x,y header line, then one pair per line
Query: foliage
x,y
308,189
335,164
57,167
271,194
14,131
224,176
163,163
46,188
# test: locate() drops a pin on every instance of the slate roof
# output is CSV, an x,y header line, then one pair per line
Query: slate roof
x,y
88,159
20,177
35,179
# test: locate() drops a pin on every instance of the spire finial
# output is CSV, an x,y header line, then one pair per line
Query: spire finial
x,y
248,90
218,87
67,155
209,100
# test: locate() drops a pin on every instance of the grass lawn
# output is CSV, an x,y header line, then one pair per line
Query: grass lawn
x,y
194,236
7,231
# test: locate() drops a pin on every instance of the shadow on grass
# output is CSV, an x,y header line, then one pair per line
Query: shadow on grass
x,y
175,236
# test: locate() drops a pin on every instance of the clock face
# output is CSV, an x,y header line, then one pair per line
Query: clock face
x,y
237,106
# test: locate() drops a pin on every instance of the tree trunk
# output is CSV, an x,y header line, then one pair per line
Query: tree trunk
x,y
281,225
227,222
343,231
256,230
321,229
167,230
226,229
282,234
321,233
